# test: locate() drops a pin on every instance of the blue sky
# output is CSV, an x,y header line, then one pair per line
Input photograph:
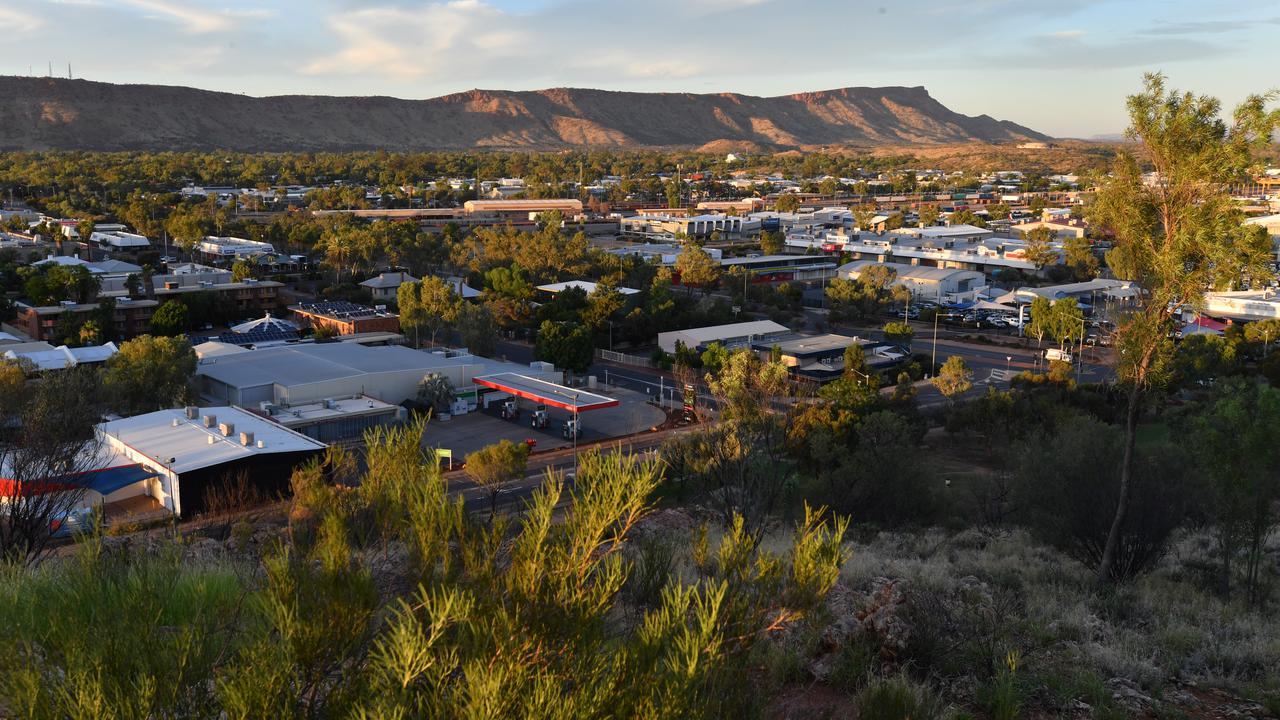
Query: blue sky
x,y
1061,66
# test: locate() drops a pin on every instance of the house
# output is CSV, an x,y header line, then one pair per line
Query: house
x,y
521,209
1062,229
383,287
59,358
119,240
585,286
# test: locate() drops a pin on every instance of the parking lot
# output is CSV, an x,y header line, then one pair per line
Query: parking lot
x,y
467,433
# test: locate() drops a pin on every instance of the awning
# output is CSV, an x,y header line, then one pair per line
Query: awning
x,y
104,481
547,393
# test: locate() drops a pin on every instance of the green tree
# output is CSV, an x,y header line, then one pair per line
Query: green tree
x,y
787,203
567,345
149,373
899,332
715,358
928,215
476,329
954,378
1180,236
771,242
998,211
697,268
966,217
428,304
242,270
1078,255
171,318
436,391
1040,250
493,466
1237,454
1066,321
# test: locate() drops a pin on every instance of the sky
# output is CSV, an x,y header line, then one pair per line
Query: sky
x,y
1062,67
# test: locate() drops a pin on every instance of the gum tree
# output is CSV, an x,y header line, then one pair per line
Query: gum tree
x,y
1176,232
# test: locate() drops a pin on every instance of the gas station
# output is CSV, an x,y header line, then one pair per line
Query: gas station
x,y
545,394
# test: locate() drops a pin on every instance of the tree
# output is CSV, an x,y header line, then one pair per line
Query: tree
x,y
149,373
697,268
1180,235
436,391
771,242
45,456
966,217
1066,321
567,345
1078,256
171,318
1235,446
863,215
787,203
744,467
493,466
899,332
428,303
476,329
954,378
242,270
714,358
1040,250
133,285
998,211
928,215
1042,319
1263,332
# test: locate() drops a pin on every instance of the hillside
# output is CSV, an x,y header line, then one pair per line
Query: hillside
x,y
53,114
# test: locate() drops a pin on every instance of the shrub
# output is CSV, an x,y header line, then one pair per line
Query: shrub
x,y
898,698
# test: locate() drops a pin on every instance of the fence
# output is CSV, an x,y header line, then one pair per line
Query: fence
x,y
624,359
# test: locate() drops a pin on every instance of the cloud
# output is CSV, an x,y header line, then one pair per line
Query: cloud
x,y
1072,51
195,20
1205,27
1067,34
430,40
11,19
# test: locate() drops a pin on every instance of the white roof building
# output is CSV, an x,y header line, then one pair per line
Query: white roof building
x,y
731,335
228,247
923,280
61,357
119,239
584,285
191,450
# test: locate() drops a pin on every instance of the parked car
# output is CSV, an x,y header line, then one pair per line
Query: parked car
x,y
73,522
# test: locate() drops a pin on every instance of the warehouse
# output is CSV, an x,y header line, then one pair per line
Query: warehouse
x,y
191,455
301,374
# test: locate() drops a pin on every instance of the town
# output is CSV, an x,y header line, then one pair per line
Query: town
x,y
575,403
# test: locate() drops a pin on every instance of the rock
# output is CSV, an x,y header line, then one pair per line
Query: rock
x,y
1127,693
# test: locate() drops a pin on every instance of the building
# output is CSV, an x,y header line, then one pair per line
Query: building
x,y
1245,305
345,318
732,335
230,248
670,227
522,209
742,207
585,286
820,358
46,358
192,454
929,282
1062,229
664,254
130,317
263,331
782,268
304,373
119,240
103,269
930,248
334,420
383,288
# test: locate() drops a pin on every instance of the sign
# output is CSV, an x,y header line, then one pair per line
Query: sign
x,y
443,454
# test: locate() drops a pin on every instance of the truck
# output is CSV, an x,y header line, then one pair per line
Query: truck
x,y
1056,354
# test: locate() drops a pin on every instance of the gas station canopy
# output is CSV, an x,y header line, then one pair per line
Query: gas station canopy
x,y
547,393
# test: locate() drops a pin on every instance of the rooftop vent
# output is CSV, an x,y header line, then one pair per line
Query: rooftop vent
x,y
192,411
246,439
227,429
262,444
209,420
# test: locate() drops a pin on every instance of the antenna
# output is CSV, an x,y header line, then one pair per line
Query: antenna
x,y
50,68
68,71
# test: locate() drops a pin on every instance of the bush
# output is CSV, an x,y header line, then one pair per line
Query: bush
x,y
1068,485
898,698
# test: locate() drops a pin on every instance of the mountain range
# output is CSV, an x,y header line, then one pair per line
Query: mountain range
x,y
61,114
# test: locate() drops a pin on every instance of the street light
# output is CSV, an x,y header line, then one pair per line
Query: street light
x,y
1008,361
